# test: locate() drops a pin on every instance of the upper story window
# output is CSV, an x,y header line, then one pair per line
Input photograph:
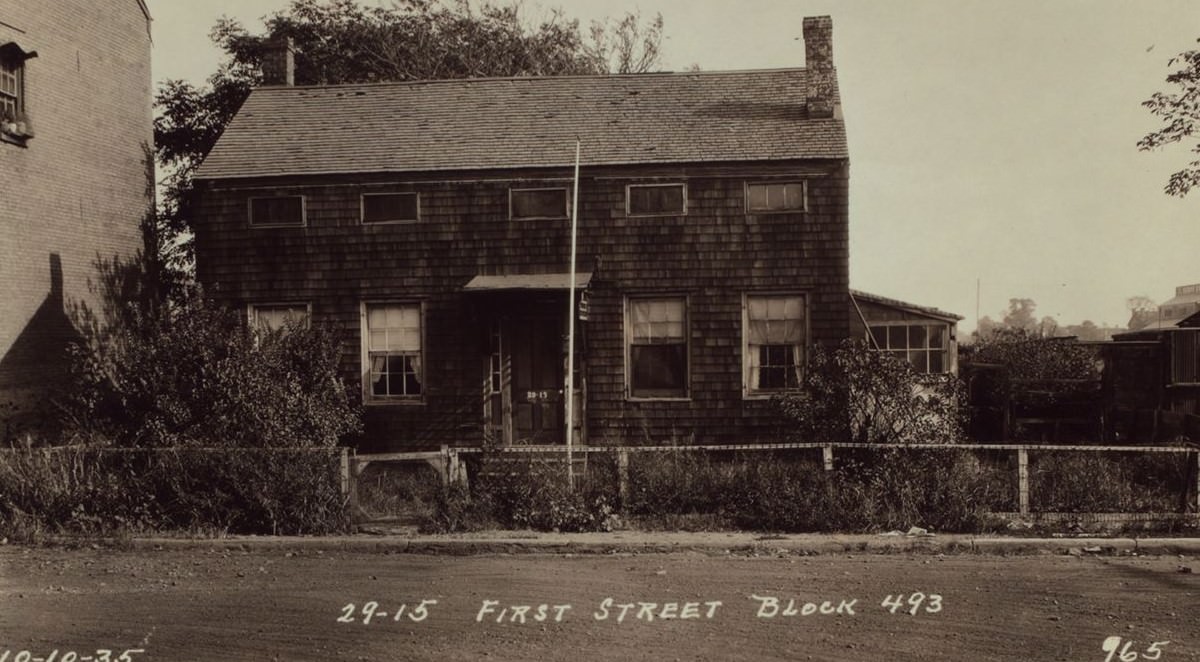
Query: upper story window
x,y
925,346
277,211
658,347
14,124
390,208
276,316
775,336
763,197
531,203
655,199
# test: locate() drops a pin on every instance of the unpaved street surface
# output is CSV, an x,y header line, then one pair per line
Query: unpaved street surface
x,y
289,605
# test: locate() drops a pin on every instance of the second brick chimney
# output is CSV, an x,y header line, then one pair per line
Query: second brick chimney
x,y
279,61
818,61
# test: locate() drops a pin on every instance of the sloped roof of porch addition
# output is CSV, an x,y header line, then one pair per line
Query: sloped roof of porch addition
x,y
927,311
560,281
500,123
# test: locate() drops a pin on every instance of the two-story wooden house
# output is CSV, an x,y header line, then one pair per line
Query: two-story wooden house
x,y
431,222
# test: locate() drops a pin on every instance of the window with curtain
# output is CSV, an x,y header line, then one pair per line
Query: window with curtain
x,y
275,316
393,345
658,351
775,339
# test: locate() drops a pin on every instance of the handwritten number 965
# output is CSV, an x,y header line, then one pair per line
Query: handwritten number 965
x,y
1111,645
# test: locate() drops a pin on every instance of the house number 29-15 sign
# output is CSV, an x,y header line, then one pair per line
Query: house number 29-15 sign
x,y
537,396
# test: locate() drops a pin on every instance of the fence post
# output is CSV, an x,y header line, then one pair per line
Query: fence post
x,y
457,475
623,476
827,456
447,470
1198,481
349,480
1023,480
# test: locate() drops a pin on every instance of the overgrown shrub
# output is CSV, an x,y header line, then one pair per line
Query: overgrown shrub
x,y
871,489
1090,483
198,376
857,394
682,483
398,490
535,494
96,491
526,492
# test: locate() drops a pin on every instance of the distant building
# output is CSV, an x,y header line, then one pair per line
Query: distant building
x,y
1185,302
75,130
1157,367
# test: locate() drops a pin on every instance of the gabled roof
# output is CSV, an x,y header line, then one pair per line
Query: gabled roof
x,y
524,122
905,306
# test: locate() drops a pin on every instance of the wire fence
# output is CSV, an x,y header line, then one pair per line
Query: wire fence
x,y
1040,480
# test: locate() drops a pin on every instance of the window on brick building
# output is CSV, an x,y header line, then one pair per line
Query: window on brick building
x,y
392,340
14,123
775,335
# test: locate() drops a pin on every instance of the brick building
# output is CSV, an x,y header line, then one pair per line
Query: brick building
x,y
75,124
430,221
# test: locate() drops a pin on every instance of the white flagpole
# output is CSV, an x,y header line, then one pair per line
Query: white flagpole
x,y
571,331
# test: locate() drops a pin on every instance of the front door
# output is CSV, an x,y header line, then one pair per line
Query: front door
x,y
537,380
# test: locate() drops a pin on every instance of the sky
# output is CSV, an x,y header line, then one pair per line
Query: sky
x,y
992,143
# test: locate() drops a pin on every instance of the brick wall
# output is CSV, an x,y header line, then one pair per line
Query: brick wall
x,y
714,255
77,190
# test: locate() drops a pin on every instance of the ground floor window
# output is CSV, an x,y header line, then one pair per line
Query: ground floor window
x,y
276,316
658,348
925,346
775,336
392,344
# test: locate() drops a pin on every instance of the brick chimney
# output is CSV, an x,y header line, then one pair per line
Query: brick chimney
x,y
279,61
818,60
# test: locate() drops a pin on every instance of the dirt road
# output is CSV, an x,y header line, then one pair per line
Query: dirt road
x,y
278,605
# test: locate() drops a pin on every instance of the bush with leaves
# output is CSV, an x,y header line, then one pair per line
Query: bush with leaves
x,y
101,491
857,394
523,491
196,375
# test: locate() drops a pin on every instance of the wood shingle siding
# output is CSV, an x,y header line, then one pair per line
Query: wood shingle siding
x,y
713,255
